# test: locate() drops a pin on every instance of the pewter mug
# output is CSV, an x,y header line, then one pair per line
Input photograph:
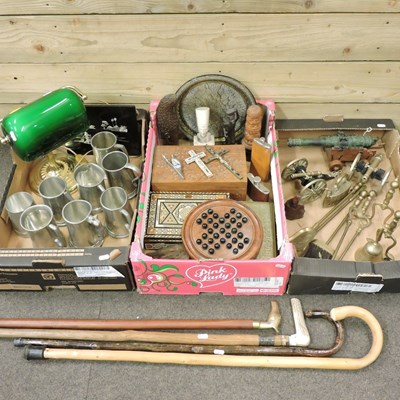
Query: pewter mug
x,y
38,221
85,230
90,180
105,142
15,205
54,193
117,212
121,172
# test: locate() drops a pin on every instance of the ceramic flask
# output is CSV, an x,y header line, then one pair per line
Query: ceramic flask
x,y
45,124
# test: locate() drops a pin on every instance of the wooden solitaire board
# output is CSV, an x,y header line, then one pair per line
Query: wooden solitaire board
x,y
222,229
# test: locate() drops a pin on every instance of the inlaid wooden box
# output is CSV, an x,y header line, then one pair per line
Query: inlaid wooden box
x,y
167,211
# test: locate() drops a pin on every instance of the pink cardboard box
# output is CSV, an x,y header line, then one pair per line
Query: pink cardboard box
x,y
230,277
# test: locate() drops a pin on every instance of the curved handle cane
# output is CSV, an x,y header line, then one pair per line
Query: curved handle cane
x,y
337,314
34,347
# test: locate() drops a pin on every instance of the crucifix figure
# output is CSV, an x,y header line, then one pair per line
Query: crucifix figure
x,y
197,158
217,155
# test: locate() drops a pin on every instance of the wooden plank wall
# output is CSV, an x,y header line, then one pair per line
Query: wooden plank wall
x,y
313,57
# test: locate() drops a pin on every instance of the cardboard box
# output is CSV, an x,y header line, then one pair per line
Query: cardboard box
x,y
25,268
324,276
193,277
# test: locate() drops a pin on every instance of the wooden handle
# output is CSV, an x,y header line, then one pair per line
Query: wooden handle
x,y
337,314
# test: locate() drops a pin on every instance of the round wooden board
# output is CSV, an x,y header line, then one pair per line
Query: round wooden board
x,y
222,229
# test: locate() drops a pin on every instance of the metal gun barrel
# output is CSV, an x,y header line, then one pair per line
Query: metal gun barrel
x,y
339,141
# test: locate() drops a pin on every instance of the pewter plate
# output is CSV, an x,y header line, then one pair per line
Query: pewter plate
x,y
218,92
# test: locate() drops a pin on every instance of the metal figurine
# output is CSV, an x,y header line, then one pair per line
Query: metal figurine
x,y
367,170
313,183
175,164
229,124
217,155
341,185
371,170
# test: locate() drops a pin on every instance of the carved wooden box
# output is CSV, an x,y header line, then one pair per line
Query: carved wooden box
x,y
165,179
167,211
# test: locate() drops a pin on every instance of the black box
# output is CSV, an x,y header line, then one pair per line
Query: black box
x,y
83,269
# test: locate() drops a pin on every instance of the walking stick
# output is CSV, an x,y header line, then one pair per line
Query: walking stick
x,y
337,314
301,337
272,322
34,347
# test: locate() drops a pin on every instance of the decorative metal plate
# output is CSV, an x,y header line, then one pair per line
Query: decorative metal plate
x,y
221,94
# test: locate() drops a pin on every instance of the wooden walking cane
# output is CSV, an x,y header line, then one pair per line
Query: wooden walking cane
x,y
337,314
34,347
272,322
300,338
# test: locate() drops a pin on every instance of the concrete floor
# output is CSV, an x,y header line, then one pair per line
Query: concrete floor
x,y
81,380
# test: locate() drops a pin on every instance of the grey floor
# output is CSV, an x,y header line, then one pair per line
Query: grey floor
x,y
76,380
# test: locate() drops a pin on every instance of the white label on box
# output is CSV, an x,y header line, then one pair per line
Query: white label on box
x,y
259,282
239,290
97,272
357,287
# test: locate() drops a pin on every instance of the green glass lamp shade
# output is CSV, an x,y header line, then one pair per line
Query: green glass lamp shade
x,y
45,124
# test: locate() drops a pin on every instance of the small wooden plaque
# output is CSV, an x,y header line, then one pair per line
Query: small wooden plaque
x,y
165,179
